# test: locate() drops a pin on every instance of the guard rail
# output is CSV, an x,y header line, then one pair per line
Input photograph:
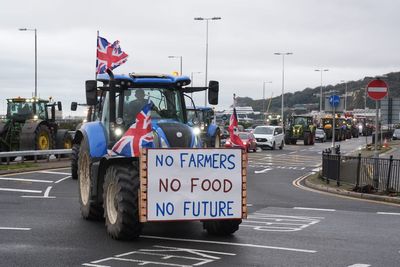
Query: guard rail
x,y
35,154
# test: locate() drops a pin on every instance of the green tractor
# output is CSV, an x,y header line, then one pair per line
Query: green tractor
x,y
28,126
300,127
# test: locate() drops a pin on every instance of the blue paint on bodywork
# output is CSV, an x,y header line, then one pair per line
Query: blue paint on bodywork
x,y
96,137
212,130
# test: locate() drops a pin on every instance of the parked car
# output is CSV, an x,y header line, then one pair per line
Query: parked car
x,y
320,135
269,137
249,142
396,134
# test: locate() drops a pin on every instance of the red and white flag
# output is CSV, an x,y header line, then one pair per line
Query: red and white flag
x,y
233,129
109,56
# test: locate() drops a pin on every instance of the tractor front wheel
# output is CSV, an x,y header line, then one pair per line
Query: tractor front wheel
x,y
121,201
90,208
74,161
222,227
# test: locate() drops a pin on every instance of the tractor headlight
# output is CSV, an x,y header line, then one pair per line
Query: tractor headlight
x,y
196,130
202,126
118,132
35,117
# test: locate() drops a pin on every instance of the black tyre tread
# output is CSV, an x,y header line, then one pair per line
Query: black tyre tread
x,y
74,161
93,210
127,226
221,227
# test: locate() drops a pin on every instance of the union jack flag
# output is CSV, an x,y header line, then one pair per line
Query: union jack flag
x,y
233,130
109,56
139,135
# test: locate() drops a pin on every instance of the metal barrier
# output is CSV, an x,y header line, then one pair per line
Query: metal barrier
x,y
379,174
34,154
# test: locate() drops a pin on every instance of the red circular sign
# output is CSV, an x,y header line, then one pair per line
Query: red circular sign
x,y
377,89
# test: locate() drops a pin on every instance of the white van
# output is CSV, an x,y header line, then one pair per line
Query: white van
x,y
269,136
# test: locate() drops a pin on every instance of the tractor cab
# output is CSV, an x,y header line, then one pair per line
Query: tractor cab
x,y
203,119
22,109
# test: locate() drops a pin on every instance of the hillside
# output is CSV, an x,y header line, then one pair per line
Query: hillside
x,y
355,91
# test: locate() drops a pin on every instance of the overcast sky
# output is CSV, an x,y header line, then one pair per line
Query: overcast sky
x,y
351,38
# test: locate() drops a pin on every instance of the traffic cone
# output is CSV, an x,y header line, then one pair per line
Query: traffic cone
x,y
385,144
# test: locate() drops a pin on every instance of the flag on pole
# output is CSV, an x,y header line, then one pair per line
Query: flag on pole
x,y
139,135
109,56
233,129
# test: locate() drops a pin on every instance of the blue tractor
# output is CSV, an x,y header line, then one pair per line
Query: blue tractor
x,y
202,118
109,184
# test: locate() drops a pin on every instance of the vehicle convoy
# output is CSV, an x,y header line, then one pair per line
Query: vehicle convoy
x,y
203,119
341,130
300,128
109,184
29,126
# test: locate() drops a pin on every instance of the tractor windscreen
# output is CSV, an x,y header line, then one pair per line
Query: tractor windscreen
x,y
167,103
26,109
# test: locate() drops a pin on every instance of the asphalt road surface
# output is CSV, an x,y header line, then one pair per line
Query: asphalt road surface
x,y
288,225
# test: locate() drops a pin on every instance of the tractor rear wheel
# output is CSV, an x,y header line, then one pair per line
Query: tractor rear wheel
x,y
222,227
43,138
90,208
306,139
74,161
121,201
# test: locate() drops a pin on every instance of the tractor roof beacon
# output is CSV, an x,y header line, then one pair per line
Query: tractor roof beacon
x,y
108,185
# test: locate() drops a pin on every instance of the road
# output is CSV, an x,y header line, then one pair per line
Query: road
x,y
40,224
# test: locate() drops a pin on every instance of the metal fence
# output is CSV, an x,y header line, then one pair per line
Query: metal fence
x,y
7,157
379,174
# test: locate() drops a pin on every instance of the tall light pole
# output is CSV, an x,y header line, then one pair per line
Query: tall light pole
x,y
283,54
345,94
263,105
320,90
206,19
181,59
35,30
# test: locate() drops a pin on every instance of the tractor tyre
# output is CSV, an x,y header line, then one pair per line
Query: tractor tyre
x,y
121,201
64,140
74,161
312,138
90,208
222,227
43,138
293,141
281,146
306,139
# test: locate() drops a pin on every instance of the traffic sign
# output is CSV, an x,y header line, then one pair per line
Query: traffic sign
x,y
377,89
334,100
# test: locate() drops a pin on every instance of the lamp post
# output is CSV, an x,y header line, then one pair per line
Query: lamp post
x,y
206,19
283,54
180,59
35,30
345,94
263,105
320,91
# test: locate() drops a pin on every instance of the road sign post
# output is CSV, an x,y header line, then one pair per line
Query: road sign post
x,y
377,89
334,100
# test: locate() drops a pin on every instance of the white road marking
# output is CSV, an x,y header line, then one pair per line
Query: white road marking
x,y
304,208
388,213
359,265
229,244
293,152
65,178
262,171
15,228
20,190
47,192
95,265
60,173
249,205
24,180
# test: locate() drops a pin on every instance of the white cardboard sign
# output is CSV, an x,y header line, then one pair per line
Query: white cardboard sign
x,y
194,184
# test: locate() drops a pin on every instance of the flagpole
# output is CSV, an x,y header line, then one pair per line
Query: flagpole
x,y
97,43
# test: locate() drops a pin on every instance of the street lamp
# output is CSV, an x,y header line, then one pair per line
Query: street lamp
x,y
283,54
345,94
35,30
206,19
180,58
320,93
263,106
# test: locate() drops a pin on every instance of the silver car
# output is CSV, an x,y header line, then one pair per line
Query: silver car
x,y
396,134
320,135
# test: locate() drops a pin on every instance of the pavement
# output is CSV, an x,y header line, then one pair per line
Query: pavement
x,y
393,149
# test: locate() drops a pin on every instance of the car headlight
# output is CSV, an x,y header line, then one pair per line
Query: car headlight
x,y
35,117
196,130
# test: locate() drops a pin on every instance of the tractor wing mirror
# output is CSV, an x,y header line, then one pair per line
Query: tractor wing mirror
x,y
91,92
59,105
74,106
213,89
